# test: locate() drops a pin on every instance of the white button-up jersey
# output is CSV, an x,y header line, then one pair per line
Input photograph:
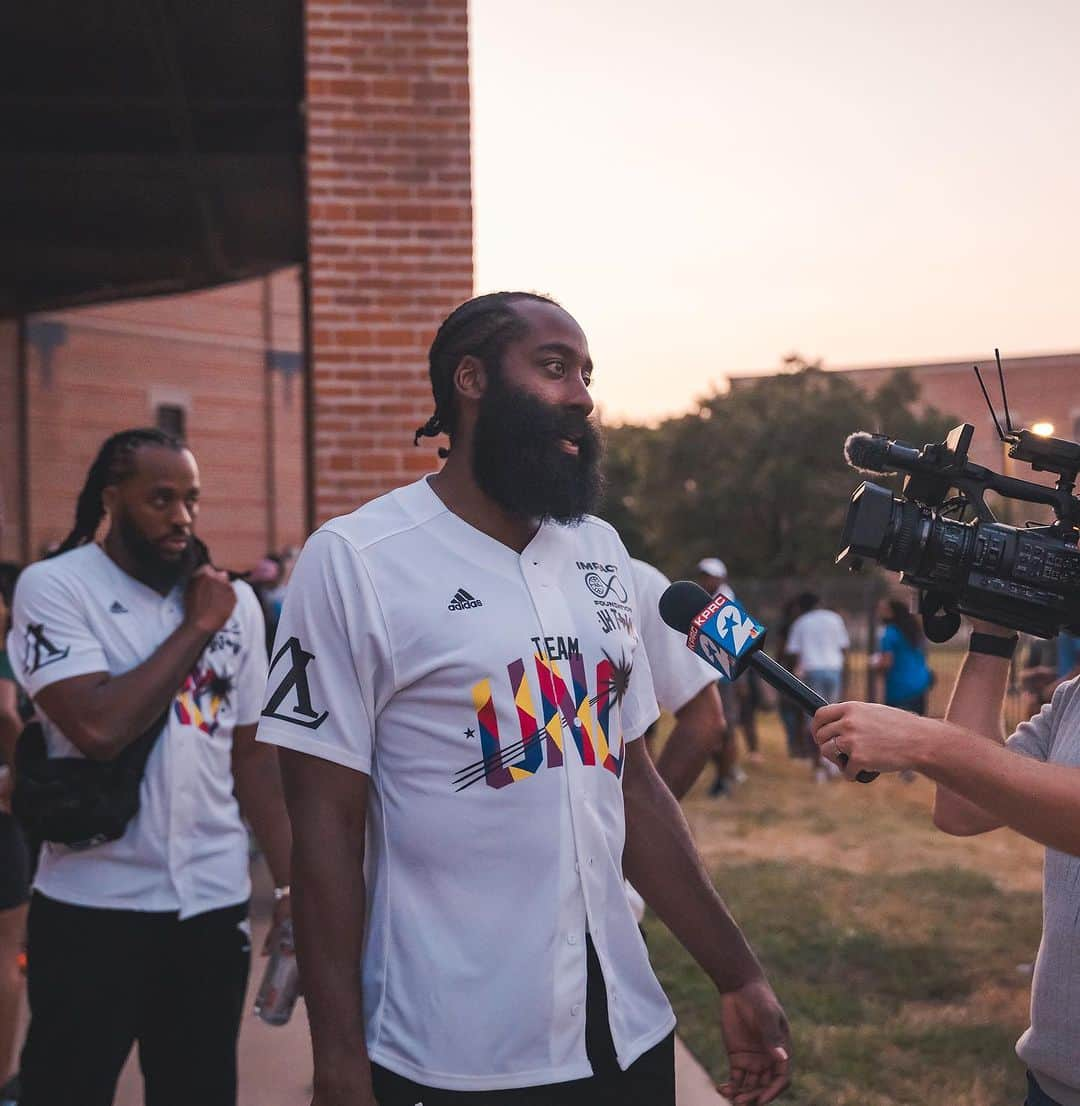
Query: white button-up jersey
x,y
677,673
489,696
186,849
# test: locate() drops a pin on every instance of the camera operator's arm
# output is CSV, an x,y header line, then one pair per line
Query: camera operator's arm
x,y
1018,786
976,705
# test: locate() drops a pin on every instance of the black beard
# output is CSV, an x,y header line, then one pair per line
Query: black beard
x,y
518,461
152,566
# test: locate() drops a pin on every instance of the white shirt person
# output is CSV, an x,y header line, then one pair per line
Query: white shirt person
x,y
458,692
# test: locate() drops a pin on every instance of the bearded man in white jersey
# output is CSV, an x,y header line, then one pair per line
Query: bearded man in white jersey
x,y
141,657
458,690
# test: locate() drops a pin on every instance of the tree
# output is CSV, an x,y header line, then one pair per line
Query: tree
x,y
757,474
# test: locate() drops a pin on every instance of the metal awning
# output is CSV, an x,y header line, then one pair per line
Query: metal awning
x,y
147,146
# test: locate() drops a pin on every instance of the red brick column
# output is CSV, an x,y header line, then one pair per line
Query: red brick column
x,y
389,199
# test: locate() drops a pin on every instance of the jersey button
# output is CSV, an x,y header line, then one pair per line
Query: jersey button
x,y
575,1009
571,939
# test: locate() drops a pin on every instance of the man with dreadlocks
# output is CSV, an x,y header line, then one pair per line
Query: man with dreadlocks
x,y
457,673
145,937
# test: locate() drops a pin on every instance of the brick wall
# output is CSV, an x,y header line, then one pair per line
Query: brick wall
x,y
96,370
389,199
11,538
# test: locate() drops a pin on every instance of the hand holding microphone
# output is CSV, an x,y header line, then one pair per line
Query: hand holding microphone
x,y
725,636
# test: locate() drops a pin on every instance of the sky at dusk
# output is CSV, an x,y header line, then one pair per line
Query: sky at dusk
x,y
708,186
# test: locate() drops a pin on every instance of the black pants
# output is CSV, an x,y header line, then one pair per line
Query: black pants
x,y
100,980
649,1081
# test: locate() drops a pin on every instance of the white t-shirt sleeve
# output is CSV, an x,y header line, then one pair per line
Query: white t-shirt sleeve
x,y
50,638
251,679
796,641
1035,737
842,638
332,663
677,674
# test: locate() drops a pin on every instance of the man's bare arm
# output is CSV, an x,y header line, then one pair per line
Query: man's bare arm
x,y
328,808
976,705
10,725
660,859
262,802
662,862
102,714
698,734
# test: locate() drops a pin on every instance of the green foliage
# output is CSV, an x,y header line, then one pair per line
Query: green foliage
x,y
756,475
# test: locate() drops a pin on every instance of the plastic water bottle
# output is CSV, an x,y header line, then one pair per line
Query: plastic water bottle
x,y
280,986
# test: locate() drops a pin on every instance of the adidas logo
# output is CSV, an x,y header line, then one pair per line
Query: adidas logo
x,y
118,607
463,601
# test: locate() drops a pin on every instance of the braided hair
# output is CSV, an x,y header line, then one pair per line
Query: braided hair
x,y
114,463
481,327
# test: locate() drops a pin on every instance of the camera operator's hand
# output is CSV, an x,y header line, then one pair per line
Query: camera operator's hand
x,y
873,737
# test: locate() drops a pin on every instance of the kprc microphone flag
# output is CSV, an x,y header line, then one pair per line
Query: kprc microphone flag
x,y
723,634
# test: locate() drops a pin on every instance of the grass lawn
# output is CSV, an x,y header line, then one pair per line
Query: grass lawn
x,y
901,955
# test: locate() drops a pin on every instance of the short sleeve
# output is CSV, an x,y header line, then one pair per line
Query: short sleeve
x,y
888,640
842,638
331,664
251,679
50,637
1035,737
795,643
677,673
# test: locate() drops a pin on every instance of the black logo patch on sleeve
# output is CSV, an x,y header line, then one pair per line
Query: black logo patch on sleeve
x,y
293,692
40,651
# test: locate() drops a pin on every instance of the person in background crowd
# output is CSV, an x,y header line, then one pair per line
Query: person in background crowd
x,y
901,656
1068,655
14,860
819,643
712,575
145,937
286,559
796,726
685,687
264,579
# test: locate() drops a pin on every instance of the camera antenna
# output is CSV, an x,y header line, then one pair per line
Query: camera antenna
x,y
989,402
1004,396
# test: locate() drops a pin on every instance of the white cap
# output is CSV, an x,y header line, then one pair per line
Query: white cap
x,y
713,566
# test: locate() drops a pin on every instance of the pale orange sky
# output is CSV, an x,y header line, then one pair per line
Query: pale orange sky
x,y
708,185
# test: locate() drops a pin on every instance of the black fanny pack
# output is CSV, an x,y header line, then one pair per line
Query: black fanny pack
x,y
75,801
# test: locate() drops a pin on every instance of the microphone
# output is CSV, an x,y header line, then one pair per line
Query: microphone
x,y
722,633
874,453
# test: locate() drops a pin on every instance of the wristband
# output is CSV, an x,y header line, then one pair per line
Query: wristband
x,y
281,893
991,645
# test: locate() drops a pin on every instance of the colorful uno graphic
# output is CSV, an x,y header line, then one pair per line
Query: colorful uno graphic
x,y
200,700
586,718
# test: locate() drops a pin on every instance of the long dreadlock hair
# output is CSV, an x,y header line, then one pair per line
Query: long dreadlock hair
x,y
114,463
481,327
